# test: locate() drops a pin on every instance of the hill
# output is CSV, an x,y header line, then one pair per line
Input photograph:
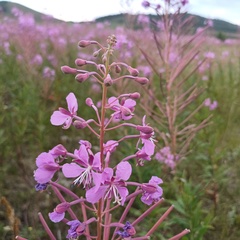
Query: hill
x,y
219,26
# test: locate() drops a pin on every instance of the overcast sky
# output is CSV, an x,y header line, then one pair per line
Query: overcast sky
x,y
84,10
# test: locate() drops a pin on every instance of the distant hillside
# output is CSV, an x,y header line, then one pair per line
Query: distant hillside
x,y
220,26
6,8
198,21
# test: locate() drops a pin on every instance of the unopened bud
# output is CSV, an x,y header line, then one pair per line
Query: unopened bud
x,y
145,129
108,81
141,80
135,95
80,62
84,43
79,124
68,70
96,53
149,188
104,59
82,77
80,229
89,102
117,69
133,71
58,150
62,207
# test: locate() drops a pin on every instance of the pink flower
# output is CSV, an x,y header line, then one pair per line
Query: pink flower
x,y
146,134
46,168
123,110
151,191
111,186
212,105
64,117
165,156
84,168
59,212
76,229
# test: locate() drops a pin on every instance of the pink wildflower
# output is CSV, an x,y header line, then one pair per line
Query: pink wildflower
x,y
46,168
64,117
111,186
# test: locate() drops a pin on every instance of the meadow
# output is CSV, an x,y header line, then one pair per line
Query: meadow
x,y
200,173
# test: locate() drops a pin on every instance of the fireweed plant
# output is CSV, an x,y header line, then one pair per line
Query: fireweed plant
x,y
171,94
105,185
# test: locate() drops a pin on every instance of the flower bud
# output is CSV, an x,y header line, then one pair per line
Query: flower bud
x,y
81,77
80,62
146,4
96,53
145,129
80,229
135,95
117,69
62,207
141,80
84,43
108,81
89,102
133,71
149,188
68,70
79,124
58,150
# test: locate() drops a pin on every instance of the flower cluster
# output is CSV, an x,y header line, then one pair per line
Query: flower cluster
x,y
104,181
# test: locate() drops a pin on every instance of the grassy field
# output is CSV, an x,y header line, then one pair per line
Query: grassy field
x,y
204,185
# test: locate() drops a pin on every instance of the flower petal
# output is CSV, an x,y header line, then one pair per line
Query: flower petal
x,y
43,176
45,159
93,195
58,118
72,103
56,217
71,170
124,171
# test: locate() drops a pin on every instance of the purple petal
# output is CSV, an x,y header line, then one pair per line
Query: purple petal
x,y
155,180
97,161
71,170
129,103
146,199
149,146
72,103
123,193
113,101
58,118
56,217
124,171
93,195
45,159
43,176
107,174
83,154
96,179
144,120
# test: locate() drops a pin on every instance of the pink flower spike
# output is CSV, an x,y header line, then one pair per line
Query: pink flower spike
x,y
64,117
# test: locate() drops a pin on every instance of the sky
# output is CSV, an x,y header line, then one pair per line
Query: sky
x,y
87,10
